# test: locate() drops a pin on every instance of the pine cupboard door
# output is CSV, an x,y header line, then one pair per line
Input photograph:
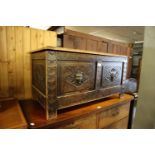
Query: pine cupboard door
x,y
110,116
121,124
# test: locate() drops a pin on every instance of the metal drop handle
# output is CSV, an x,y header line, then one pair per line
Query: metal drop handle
x,y
112,74
79,77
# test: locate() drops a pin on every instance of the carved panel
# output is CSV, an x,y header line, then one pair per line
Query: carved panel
x,y
38,75
111,74
51,56
85,97
52,87
76,76
39,98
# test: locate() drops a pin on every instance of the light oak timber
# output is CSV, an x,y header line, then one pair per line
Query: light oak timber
x,y
113,115
40,39
34,39
121,124
4,84
11,49
50,39
19,62
16,42
27,63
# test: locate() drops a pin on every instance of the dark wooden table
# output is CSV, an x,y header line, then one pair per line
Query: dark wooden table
x,y
11,116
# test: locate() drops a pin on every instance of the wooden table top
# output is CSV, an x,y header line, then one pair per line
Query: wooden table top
x,y
35,114
62,49
11,116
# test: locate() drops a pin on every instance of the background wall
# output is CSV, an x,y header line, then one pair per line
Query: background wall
x,y
126,34
15,61
145,115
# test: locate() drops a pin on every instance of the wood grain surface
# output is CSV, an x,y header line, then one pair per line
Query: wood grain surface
x,y
35,114
11,116
16,42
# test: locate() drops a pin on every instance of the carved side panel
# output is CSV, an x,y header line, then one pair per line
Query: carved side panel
x,y
38,97
52,85
76,76
111,74
52,89
39,75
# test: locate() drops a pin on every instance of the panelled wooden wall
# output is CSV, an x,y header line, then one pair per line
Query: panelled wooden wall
x,y
78,40
15,61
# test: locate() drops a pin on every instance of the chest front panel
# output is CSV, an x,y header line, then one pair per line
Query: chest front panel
x,y
75,76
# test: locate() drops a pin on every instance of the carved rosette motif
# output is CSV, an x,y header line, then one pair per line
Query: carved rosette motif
x,y
77,76
111,75
110,72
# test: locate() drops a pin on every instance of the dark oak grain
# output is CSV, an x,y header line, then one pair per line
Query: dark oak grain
x,y
67,77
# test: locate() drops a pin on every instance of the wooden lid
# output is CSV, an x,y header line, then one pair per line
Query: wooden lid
x,y
75,51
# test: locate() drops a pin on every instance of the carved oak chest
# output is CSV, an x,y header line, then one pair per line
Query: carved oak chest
x,y
63,77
